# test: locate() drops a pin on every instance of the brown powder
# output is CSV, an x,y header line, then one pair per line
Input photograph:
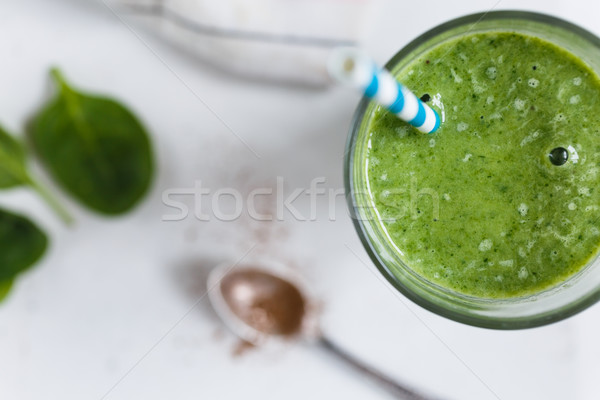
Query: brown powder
x,y
265,302
218,335
241,348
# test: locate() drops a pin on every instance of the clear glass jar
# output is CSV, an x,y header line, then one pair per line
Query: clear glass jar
x,y
575,294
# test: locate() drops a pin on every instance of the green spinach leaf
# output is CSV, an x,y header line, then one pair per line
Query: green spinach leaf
x,y
5,288
22,243
13,172
12,162
95,148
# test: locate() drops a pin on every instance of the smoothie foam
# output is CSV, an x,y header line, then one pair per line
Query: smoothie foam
x,y
478,208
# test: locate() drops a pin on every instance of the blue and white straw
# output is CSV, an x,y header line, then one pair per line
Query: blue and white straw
x,y
353,68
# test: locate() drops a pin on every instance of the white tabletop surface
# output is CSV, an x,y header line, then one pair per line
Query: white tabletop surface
x,y
108,312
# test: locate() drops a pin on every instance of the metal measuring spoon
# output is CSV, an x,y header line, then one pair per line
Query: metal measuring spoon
x,y
261,305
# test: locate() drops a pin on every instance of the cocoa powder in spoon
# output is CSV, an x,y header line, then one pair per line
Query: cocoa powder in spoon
x,y
265,302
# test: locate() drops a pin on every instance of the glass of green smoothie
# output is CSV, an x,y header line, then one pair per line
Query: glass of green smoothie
x,y
494,220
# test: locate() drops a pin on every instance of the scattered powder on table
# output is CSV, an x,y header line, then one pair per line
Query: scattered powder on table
x,y
241,348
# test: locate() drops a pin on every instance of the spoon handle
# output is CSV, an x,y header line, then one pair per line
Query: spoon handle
x,y
399,391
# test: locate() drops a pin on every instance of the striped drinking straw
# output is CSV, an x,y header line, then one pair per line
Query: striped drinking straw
x,y
353,68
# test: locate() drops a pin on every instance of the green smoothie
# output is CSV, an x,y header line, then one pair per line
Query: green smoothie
x,y
479,207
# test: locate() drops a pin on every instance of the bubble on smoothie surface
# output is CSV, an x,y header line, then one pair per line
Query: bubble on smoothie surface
x,y
572,206
477,86
432,143
530,138
575,99
584,191
590,174
491,72
511,89
467,157
539,221
446,196
462,126
559,117
457,77
490,99
485,245
506,263
560,94
523,208
577,81
401,131
533,82
519,104
383,177
523,273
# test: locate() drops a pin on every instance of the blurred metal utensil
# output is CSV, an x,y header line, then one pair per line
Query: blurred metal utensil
x,y
264,304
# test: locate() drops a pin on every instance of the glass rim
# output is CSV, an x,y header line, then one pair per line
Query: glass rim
x,y
503,323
